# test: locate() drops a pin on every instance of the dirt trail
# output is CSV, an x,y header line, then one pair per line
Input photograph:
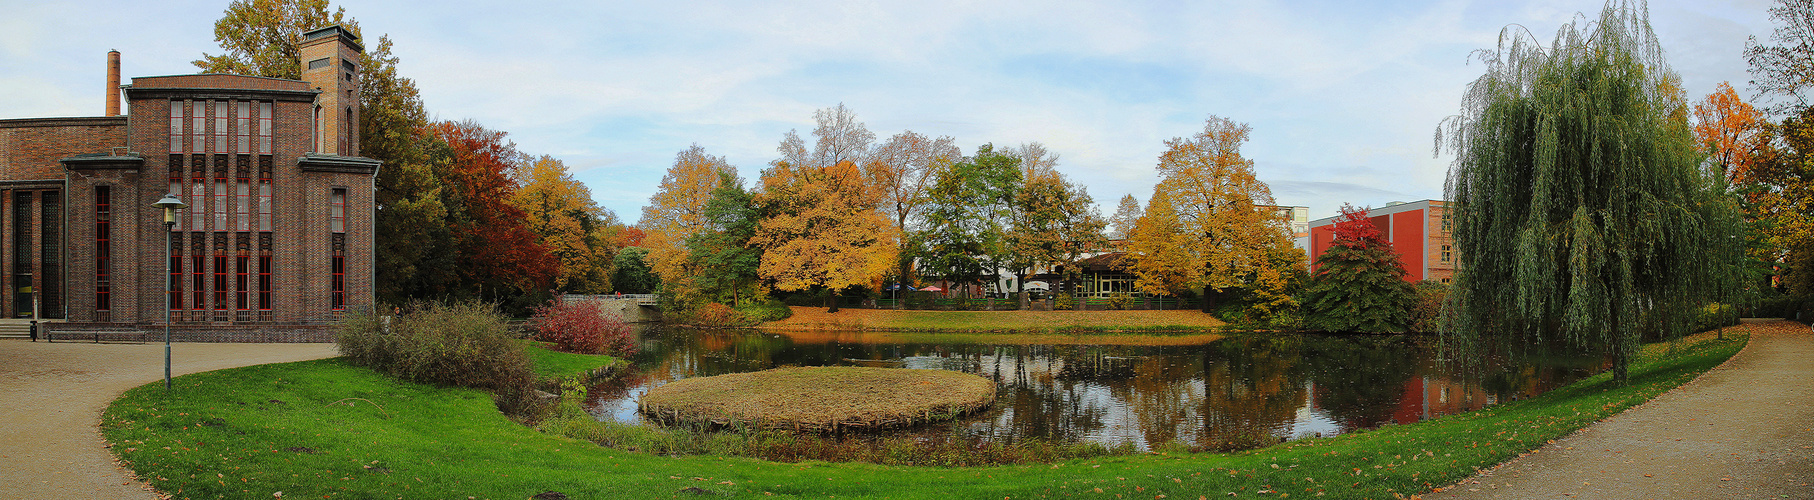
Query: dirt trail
x,y
52,395
1742,430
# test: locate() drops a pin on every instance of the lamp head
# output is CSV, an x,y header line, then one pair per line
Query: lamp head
x,y
170,205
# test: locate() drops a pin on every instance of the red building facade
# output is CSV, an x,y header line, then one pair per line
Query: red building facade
x,y
276,241
1419,232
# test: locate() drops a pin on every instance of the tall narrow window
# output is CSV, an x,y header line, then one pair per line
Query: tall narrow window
x,y
176,272
198,277
337,211
103,248
220,281
176,183
1447,254
346,134
337,223
198,196
220,199
242,202
264,277
176,128
220,126
50,254
242,127
264,127
241,292
22,250
198,123
264,202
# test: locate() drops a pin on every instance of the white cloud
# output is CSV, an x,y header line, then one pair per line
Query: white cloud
x,y
1343,96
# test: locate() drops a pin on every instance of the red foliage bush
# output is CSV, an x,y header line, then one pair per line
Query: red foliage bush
x,y
582,327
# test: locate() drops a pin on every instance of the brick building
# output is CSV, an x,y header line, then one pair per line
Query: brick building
x,y
1419,232
277,239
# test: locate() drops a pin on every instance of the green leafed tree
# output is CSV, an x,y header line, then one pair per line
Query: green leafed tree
x,y
260,37
1359,285
967,217
631,273
1581,216
723,246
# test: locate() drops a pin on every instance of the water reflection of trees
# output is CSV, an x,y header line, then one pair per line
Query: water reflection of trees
x,y
1231,393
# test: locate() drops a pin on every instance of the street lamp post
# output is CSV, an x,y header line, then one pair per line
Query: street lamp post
x,y
170,205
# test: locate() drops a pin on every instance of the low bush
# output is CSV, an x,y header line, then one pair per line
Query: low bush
x,y
582,327
716,315
465,344
1120,301
1064,302
765,311
1426,312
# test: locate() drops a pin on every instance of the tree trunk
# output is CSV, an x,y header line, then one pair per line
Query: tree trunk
x,y
1621,364
1209,301
831,302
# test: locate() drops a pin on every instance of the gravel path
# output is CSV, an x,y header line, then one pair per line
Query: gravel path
x,y
52,395
1742,430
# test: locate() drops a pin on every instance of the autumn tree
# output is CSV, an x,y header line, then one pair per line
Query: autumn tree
x,y
261,37
677,211
1730,131
822,228
630,272
1571,234
1359,284
1234,238
902,171
499,257
1121,225
559,209
1779,201
1158,250
967,217
1053,223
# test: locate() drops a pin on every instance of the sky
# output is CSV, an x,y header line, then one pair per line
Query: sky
x,y
1343,97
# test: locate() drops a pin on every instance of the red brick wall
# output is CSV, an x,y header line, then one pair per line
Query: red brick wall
x,y
30,148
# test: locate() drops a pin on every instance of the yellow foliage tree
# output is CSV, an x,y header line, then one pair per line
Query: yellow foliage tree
x,y
823,229
677,211
579,233
1225,224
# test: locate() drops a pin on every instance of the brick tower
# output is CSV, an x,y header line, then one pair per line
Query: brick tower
x,y
331,58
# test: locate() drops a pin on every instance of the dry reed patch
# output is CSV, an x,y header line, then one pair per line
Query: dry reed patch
x,y
825,398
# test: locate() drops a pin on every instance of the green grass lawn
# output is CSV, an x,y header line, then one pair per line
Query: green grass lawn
x,y
324,429
550,363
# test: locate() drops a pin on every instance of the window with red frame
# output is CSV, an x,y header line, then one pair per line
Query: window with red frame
x,y
220,282
337,223
241,294
103,248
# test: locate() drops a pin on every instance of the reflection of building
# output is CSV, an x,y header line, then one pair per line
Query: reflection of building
x,y
276,241
1419,232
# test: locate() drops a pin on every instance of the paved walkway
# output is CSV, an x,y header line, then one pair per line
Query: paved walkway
x,y
1742,430
52,395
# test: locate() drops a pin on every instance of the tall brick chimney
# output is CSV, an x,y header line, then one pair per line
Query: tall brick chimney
x,y
113,83
330,63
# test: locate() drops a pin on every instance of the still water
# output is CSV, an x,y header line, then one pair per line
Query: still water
x,y
1204,391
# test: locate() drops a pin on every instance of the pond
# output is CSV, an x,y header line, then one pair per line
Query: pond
x,y
1202,391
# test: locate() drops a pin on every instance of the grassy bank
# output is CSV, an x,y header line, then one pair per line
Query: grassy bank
x,y
809,318
323,429
555,364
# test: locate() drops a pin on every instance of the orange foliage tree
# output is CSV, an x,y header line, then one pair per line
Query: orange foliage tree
x,y
677,211
1731,131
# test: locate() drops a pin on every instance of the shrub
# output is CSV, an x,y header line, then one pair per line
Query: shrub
x,y
1120,301
764,311
716,315
1064,302
1426,313
582,327
464,344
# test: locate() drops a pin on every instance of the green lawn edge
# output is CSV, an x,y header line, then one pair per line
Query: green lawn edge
x,y
325,429
549,363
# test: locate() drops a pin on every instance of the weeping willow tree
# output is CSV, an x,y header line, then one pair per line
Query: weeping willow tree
x,y
1583,217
